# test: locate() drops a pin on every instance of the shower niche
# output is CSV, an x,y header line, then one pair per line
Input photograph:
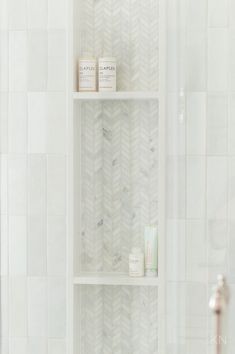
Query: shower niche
x,y
116,178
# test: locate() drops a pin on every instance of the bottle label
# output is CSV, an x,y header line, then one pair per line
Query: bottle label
x,y
107,75
87,75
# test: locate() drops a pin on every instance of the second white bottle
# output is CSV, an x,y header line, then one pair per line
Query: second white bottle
x,y
107,74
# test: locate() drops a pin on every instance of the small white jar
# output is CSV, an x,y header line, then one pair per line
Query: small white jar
x,y
87,74
136,263
107,74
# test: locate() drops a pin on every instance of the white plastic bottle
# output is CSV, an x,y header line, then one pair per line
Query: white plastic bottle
x,y
107,74
136,263
87,74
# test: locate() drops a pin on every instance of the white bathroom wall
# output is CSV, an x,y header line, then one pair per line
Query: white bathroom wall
x,y
33,176
201,167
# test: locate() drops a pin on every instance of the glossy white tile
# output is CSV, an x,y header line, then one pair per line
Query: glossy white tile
x,y
56,11
231,125
176,239
18,61
37,307
18,346
4,59
36,184
56,185
231,60
18,306
57,307
56,74
4,239
37,248
37,107
175,127
17,184
196,61
3,121
17,122
17,12
37,345
217,187
217,125
37,60
196,123
4,18
196,14
218,13
4,184
176,187
56,346
231,251
217,59
217,248
231,188
196,187
196,251
56,245
37,14
57,43
56,117
17,245
4,303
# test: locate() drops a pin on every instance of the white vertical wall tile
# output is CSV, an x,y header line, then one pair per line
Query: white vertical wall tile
x,y
196,253
17,245
176,248
231,251
4,245
4,345
3,121
18,60
231,125
56,245
231,191
18,306
217,187
37,307
56,346
17,14
37,60
56,187
4,59
218,13
37,346
37,184
217,248
232,60
217,121
56,73
56,11
176,187
196,187
217,59
196,14
17,123
4,5
37,108
196,61
231,14
4,301
17,183
175,128
37,14
4,184
56,118
196,124
37,253
57,307
18,346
